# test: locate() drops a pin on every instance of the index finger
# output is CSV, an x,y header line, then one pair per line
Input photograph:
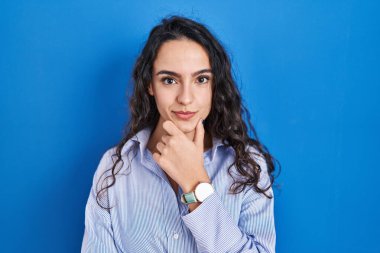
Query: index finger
x,y
171,128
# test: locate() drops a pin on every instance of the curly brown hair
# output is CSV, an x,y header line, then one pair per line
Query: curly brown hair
x,y
225,120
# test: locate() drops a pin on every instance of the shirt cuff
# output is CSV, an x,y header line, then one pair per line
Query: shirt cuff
x,y
212,226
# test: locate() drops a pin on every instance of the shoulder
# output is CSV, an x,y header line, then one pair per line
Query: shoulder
x,y
104,164
260,159
110,155
229,155
256,155
109,158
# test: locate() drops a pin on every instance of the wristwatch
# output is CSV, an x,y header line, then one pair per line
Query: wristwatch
x,y
201,192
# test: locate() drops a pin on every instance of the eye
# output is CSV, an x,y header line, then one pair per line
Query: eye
x,y
170,80
203,79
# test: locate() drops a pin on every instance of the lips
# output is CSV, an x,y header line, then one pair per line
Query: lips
x,y
184,115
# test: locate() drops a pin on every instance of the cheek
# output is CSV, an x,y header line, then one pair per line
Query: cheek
x,y
208,99
163,101
206,102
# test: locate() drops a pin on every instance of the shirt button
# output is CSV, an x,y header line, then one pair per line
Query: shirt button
x,y
175,236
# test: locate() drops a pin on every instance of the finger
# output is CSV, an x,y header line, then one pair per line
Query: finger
x,y
165,139
160,160
157,158
160,146
171,128
199,134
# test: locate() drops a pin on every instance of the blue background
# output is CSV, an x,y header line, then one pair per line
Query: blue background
x,y
308,72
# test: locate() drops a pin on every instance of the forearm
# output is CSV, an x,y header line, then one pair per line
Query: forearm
x,y
215,231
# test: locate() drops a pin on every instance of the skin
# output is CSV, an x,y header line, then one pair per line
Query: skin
x,y
178,145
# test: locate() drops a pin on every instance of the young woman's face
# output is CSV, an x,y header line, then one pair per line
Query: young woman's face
x,y
182,82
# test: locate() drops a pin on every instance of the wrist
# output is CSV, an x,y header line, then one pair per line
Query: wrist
x,y
190,186
202,191
193,206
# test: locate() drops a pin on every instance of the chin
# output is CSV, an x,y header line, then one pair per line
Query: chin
x,y
186,127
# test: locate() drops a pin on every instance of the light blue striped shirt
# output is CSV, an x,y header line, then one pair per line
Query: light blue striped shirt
x,y
148,216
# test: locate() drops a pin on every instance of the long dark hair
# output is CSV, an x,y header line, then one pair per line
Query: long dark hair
x,y
225,119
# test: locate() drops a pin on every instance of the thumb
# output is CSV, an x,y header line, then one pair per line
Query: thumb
x,y
199,134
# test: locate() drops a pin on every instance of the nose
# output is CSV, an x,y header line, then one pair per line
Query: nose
x,y
185,94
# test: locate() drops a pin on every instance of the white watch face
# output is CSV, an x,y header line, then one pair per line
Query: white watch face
x,y
203,190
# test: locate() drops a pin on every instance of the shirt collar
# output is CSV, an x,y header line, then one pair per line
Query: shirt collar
x,y
142,138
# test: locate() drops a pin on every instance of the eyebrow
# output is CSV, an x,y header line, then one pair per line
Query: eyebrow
x,y
178,75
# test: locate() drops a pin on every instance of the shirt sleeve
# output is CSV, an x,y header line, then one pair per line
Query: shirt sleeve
x,y
98,234
215,231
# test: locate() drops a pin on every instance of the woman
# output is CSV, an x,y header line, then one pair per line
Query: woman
x,y
186,177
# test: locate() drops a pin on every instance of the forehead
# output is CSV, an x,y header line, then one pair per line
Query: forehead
x,y
181,56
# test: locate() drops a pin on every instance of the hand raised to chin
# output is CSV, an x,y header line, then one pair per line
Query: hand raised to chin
x,y
181,158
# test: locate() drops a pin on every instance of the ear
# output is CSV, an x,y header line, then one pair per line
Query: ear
x,y
150,89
